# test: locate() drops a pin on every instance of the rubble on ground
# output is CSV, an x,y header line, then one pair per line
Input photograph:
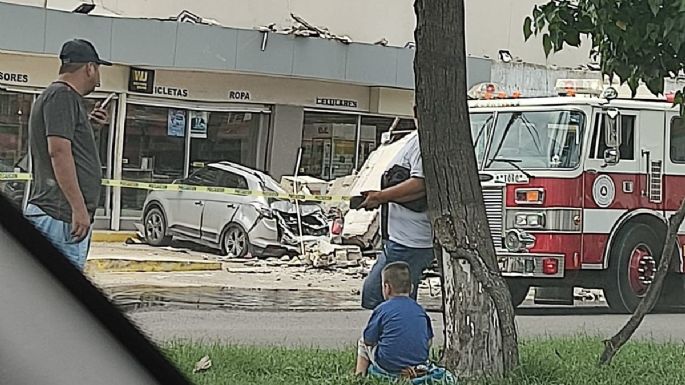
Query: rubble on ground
x,y
319,255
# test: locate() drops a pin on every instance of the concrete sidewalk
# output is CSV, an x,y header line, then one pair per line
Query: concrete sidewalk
x,y
139,275
113,257
120,265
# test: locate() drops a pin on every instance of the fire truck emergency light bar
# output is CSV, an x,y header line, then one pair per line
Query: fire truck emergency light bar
x,y
573,87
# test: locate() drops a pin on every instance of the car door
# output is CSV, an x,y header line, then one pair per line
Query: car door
x,y
609,189
674,169
187,208
221,209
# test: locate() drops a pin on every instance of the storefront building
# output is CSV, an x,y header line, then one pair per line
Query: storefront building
x,y
204,94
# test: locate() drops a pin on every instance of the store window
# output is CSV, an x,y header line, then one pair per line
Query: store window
x,y
627,148
329,145
677,135
335,145
102,139
370,133
154,151
224,136
15,109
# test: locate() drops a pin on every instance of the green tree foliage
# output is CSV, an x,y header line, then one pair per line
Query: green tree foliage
x,y
635,40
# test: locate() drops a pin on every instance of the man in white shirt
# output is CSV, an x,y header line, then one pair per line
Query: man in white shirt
x,y
409,233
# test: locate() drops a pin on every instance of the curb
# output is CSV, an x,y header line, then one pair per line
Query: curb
x,y
133,297
112,236
118,265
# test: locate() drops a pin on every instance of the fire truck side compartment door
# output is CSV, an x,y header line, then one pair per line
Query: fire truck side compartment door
x,y
651,132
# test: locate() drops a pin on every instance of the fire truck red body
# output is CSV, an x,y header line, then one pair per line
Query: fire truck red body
x,y
578,190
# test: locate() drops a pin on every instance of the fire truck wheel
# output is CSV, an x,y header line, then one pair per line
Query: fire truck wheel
x,y
634,259
518,292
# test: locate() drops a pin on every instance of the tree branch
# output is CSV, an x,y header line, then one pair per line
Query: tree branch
x,y
612,346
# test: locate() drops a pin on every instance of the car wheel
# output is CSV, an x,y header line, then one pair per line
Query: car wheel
x,y
235,242
155,228
634,261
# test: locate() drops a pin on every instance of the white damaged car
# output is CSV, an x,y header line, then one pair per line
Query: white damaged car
x,y
237,225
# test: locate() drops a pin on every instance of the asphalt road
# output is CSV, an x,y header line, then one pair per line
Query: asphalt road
x,y
342,329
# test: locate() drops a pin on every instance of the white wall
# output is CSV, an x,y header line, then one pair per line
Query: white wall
x,y
534,80
491,25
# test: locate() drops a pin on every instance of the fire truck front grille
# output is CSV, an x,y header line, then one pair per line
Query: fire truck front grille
x,y
494,210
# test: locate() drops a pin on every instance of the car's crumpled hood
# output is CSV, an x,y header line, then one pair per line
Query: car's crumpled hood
x,y
287,207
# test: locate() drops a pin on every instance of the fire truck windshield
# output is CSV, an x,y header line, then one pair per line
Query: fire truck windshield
x,y
481,125
536,140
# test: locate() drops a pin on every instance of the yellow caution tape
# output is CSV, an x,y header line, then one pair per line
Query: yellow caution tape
x,y
15,176
7,176
223,190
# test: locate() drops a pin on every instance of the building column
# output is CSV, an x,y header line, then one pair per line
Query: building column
x,y
117,165
286,139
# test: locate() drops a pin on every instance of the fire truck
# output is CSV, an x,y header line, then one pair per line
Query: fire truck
x,y
578,189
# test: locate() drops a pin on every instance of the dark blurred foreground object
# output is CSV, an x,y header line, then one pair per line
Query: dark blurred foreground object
x,y
56,327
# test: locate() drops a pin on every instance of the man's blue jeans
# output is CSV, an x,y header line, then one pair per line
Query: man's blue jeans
x,y
418,260
59,234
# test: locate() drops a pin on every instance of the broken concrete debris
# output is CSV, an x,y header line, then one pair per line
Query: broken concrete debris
x,y
323,254
296,261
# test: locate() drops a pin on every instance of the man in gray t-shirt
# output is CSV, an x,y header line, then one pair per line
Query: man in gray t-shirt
x,y
410,237
66,163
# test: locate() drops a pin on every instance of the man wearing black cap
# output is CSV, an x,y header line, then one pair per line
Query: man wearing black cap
x,y
66,164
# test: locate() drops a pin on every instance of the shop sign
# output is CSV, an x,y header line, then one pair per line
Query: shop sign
x,y
239,95
171,91
141,80
332,102
13,77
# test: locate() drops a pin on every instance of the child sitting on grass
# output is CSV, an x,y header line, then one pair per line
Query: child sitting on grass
x,y
397,340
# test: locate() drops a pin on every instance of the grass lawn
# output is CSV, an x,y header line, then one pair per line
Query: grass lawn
x,y
544,362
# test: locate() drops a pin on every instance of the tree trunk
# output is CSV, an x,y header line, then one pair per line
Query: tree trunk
x,y
612,346
480,334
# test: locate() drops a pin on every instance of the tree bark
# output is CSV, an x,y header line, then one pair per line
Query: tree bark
x,y
612,346
480,334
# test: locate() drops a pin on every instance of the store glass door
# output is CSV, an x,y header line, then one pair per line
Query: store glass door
x,y
15,108
329,144
224,136
154,151
104,139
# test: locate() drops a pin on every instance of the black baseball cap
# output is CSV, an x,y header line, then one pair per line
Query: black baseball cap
x,y
80,51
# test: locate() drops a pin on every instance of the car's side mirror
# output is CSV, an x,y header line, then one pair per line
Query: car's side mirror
x,y
611,156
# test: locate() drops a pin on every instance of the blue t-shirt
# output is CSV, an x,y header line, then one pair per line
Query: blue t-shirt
x,y
401,329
